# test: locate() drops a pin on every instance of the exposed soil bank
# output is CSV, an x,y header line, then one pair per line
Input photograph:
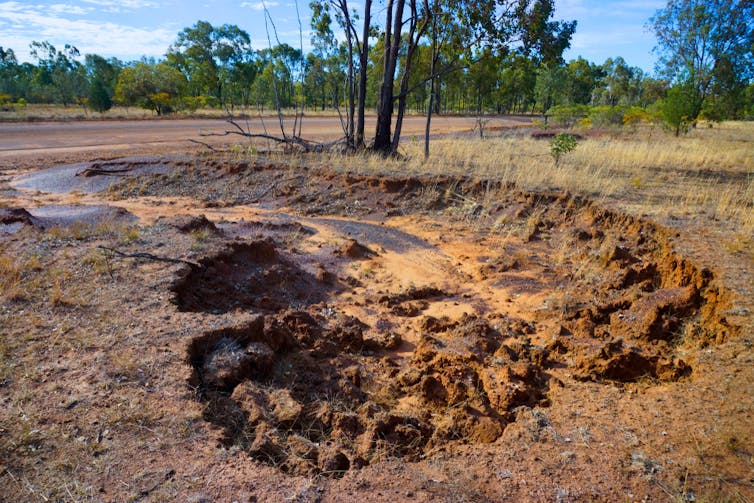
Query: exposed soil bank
x,y
337,336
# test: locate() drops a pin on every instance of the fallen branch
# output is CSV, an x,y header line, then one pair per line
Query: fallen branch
x,y
213,149
305,145
149,256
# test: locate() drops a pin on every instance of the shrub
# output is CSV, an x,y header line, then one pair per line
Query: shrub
x,y
606,116
635,116
678,109
568,115
561,145
99,100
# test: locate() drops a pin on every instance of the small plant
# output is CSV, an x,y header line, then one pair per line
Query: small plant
x,y
130,236
561,145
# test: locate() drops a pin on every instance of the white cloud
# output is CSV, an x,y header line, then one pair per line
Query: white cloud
x,y
61,8
121,5
259,5
101,37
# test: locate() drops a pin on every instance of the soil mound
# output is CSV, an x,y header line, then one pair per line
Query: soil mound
x,y
247,275
190,223
355,250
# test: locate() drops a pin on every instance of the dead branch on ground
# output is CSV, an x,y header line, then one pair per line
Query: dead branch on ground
x,y
293,141
150,256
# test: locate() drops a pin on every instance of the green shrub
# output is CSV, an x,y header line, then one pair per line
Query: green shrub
x,y
607,116
99,100
679,109
561,145
568,115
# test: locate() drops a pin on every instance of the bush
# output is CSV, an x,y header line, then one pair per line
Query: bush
x,y
606,116
562,144
635,116
99,100
678,109
568,115
6,104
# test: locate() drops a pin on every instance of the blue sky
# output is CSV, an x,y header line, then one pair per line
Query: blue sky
x,y
129,29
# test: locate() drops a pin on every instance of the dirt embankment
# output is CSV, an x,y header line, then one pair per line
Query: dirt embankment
x,y
324,325
310,387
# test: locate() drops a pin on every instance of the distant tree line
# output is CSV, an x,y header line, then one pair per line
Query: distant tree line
x,y
428,56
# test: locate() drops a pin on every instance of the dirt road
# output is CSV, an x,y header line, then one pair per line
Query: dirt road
x,y
22,139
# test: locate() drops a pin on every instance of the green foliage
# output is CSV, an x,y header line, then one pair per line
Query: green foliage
x,y
621,84
542,37
562,144
702,45
59,77
550,88
157,87
214,59
708,49
748,107
568,115
607,116
583,78
99,99
679,109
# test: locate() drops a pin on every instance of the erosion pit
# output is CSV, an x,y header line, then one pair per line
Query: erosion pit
x,y
273,332
344,368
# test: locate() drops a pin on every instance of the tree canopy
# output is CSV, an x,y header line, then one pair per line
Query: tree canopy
x,y
421,56
705,47
211,57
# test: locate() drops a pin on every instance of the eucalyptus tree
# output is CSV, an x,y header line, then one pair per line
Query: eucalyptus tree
x,y
621,84
583,77
153,86
103,70
9,73
212,57
60,77
357,31
704,47
518,78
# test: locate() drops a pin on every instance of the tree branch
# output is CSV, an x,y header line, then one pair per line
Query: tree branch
x,y
149,256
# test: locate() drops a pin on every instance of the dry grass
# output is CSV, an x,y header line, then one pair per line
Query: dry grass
x,y
708,172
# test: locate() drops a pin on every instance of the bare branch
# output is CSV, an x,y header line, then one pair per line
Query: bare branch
x,y
149,256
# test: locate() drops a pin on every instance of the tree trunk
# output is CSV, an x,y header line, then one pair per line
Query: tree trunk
x,y
363,62
413,42
430,109
383,138
351,103
432,83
